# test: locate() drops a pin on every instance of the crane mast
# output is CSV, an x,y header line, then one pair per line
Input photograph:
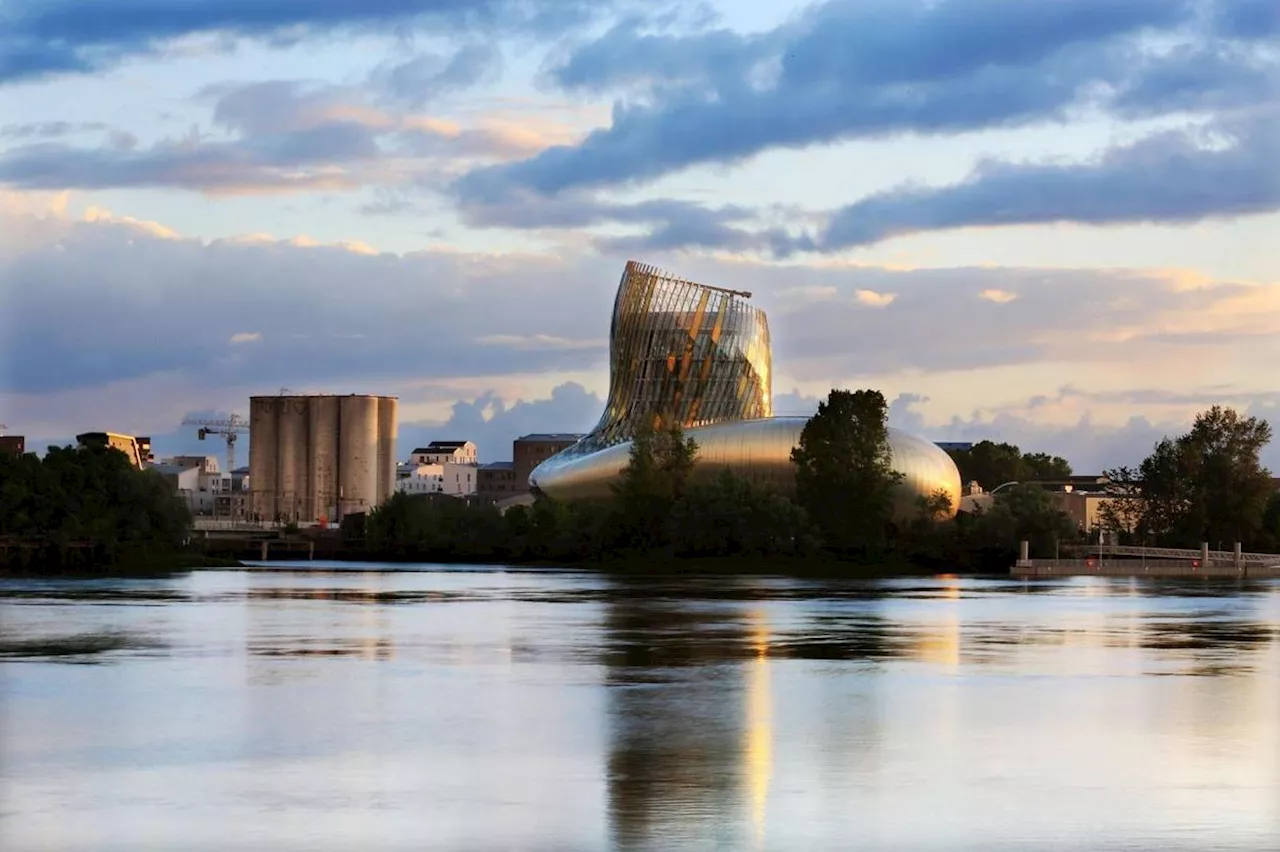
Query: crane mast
x,y
230,429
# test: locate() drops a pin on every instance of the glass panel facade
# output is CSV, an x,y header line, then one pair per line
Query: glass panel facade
x,y
682,354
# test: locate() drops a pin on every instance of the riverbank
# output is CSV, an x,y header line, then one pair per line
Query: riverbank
x,y
139,565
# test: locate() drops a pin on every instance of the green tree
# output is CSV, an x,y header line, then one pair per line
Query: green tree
x,y
992,465
656,475
1045,466
435,528
1221,454
1022,513
733,515
844,473
1206,485
1270,538
93,496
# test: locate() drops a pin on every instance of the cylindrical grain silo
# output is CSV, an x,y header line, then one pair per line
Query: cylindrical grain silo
x,y
358,453
295,425
263,461
387,413
323,411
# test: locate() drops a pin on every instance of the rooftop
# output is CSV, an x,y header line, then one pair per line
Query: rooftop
x,y
440,447
498,466
172,469
551,436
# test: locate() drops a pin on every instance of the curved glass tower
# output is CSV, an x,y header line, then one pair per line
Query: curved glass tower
x,y
682,354
689,355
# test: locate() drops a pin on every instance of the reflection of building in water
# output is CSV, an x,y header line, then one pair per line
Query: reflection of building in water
x,y
286,624
939,639
676,723
759,738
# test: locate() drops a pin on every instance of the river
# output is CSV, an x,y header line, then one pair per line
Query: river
x,y
366,707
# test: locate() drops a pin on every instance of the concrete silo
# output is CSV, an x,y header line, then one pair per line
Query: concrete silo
x,y
358,453
294,433
387,419
314,458
323,458
264,448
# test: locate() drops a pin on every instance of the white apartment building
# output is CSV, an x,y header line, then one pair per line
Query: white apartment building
x,y
196,479
454,480
444,452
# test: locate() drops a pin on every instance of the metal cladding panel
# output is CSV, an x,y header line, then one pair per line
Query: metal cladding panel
x,y
295,479
323,457
358,453
263,454
681,354
388,411
757,449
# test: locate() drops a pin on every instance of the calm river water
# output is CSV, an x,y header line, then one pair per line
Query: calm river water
x,y
482,709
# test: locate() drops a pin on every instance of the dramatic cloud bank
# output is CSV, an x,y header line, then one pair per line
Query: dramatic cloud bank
x,y
1176,176
849,70
64,36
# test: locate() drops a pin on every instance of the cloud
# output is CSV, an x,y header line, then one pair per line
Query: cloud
x,y
874,299
427,77
278,136
164,308
666,223
1000,297
939,322
48,129
493,423
1174,176
64,36
325,313
844,69
540,341
245,337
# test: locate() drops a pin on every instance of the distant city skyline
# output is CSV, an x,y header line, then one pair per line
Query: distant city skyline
x,y
1051,224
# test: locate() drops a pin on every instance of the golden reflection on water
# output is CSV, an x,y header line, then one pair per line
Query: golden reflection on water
x,y
939,643
759,739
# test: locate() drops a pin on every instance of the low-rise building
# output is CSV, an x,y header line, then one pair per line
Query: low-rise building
x,y
454,480
201,491
496,481
444,452
137,448
12,445
529,451
231,500
1082,498
185,482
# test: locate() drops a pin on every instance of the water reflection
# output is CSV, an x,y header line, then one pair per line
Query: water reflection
x,y
759,734
674,719
373,709
360,631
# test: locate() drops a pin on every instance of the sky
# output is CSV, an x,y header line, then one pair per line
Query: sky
x,y
1048,223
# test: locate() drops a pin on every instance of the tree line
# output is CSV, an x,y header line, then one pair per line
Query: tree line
x,y
87,506
842,511
1205,485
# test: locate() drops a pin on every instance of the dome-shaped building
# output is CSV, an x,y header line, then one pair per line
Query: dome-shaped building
x,y
698,357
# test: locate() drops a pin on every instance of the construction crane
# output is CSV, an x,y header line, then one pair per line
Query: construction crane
x,y
230,429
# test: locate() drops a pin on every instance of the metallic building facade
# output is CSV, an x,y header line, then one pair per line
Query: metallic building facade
x,y
314,458
682,354
756,449
698,357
